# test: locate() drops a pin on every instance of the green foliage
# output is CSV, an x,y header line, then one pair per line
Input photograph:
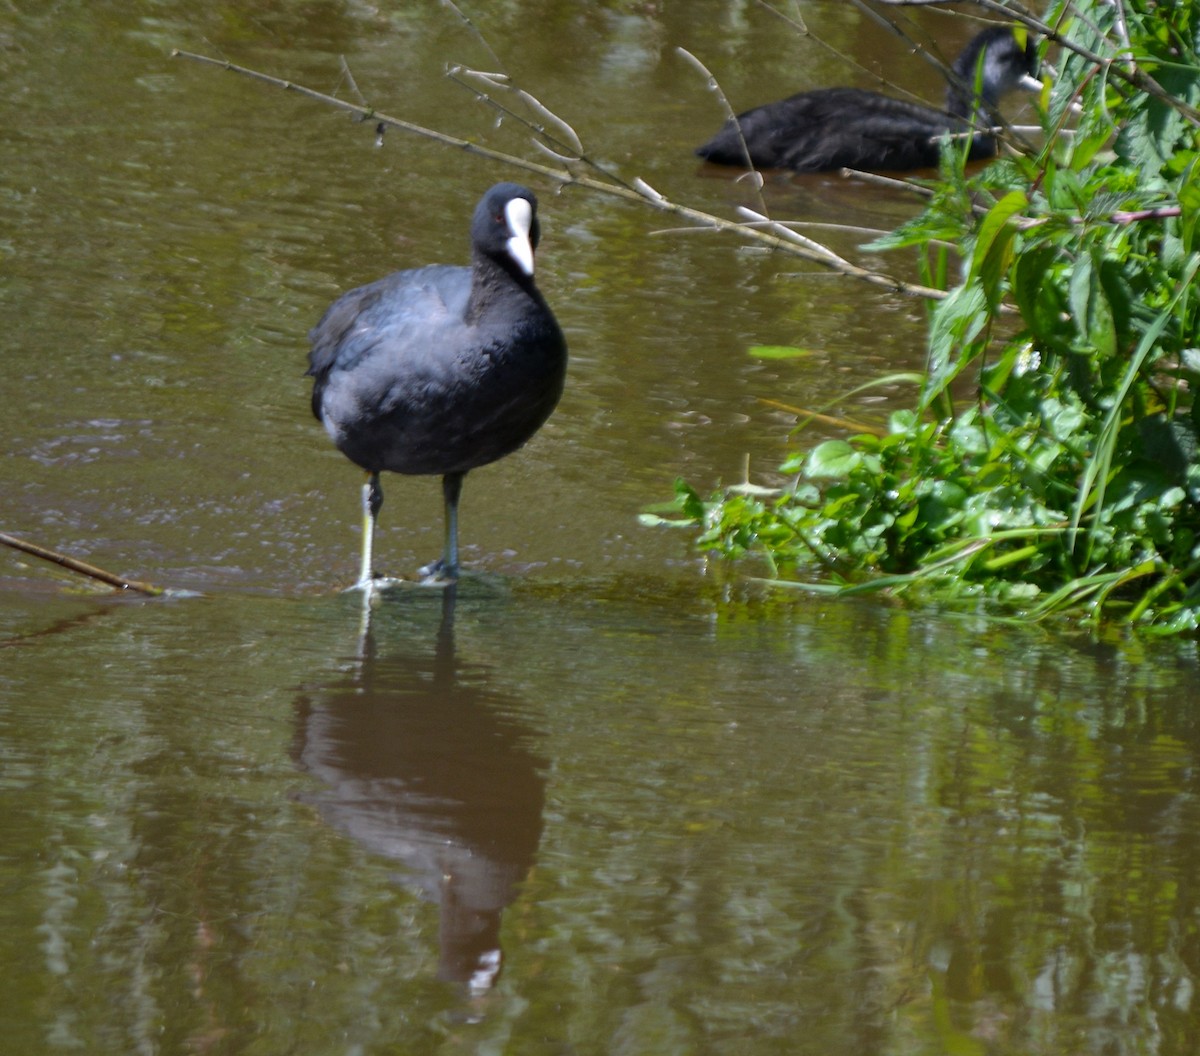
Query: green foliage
x,y
1050,461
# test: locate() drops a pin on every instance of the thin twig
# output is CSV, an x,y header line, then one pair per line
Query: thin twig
x,y
568,152
474,31
731,116
887,181
73,564
348,77
1133,216
821,253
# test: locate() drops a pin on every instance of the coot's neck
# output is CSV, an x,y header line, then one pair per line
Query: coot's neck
x,y
971,113
495,279
978,79
964,102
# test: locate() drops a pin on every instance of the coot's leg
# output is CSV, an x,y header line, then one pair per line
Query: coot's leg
x,y
372,500
447,567
451,490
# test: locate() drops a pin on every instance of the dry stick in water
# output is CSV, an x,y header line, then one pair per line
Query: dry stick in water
x,y
639,191
81,567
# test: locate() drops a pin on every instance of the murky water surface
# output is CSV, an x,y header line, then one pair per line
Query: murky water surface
x,y
601,800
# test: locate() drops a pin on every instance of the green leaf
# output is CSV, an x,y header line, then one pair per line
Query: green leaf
x,y
687,501
956,320
1091,309
1085,147
833,458
1034,290
794,463
994,243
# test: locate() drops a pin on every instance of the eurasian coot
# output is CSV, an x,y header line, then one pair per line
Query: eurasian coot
x,y
441,369
832,128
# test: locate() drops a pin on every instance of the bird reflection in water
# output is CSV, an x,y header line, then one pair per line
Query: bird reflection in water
x,y
423,764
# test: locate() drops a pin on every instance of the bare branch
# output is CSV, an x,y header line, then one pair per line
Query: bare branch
x,y
82,568
604,183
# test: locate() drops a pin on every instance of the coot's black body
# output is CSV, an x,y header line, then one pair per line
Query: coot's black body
x,y
833,128
442,369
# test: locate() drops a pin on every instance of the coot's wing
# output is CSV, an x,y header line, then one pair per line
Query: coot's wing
x,y
810,131
398,315
864,130
832,128
770,131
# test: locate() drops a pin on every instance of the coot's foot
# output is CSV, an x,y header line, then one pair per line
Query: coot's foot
x,y
373,584
438,572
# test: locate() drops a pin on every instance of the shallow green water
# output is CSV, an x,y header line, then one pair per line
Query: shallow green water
x,y
693,818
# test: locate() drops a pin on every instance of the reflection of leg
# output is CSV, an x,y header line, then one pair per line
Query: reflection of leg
x,y
369,598
468,935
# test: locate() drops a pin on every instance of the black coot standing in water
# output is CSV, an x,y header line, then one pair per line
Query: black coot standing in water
x,y
441,369
833,128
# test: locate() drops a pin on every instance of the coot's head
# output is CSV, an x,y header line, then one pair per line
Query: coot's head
x,y
1009,62
505,227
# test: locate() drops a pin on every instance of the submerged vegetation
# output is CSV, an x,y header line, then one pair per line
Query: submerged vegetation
x,y
1049,462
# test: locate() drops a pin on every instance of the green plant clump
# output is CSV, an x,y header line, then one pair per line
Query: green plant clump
x,y
1050,462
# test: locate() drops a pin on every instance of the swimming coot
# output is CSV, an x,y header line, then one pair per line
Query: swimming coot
x,y
832,128
441,369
